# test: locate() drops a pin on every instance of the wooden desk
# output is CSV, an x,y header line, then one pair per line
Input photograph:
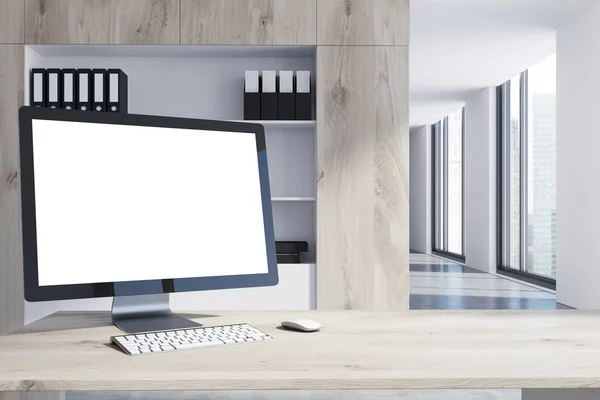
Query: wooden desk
x,y
354,350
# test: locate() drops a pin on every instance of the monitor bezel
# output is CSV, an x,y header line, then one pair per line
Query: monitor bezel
x,y
34,292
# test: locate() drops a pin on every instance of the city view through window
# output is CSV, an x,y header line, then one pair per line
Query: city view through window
x,y
536,183
455,182
448,177
541,169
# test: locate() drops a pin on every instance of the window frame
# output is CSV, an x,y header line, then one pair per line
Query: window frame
x,y
503,230
439,191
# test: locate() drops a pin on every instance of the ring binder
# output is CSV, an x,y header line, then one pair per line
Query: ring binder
x,y
54,88
38,87
85,88
117,91
99,97
69,89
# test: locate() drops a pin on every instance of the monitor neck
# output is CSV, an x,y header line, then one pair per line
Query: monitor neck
x,y
147,313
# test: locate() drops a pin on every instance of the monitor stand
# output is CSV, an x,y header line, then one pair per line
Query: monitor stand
x,y
146,313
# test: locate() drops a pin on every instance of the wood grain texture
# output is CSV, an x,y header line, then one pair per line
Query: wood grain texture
x,y
102,21
345,165
12,307
32,396
363,22
362,178
354,350
453,394
391,180
12,21
249,22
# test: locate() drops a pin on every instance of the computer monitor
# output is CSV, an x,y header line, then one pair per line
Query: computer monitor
x,y
135,207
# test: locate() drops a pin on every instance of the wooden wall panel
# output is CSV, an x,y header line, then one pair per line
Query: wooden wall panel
x,y
248,22
391,179
11,259
102,21
362,178
11,21
345,157
363,22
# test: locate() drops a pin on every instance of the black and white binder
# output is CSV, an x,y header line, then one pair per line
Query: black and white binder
x,y
285,97
69,89
99,98
303,96
54,88
38,87
85,89
251,95
117,91
268,96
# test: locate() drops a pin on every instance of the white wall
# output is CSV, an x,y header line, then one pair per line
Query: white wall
x,y
420,189
480,180
578,162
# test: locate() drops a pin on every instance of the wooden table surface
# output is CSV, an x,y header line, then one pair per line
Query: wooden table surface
x,y
354,350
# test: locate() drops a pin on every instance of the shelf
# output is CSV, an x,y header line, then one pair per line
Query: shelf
x,y
293,198
80,50
283,124
308,265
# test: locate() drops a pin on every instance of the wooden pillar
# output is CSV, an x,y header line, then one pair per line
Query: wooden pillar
x,y
362,155
11,98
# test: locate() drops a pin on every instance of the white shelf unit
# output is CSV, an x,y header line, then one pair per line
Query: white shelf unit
x,y
207,82
293,198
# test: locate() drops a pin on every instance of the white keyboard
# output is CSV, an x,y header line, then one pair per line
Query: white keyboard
x,y
193,338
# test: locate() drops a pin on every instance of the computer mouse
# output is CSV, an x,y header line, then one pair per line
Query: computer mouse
x,y
301,325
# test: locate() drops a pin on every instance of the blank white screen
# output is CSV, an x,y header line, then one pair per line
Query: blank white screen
x,y
124,203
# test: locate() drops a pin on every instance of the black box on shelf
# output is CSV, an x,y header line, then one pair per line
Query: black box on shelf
x,y
268,95
288,252
292,258
251,106
286,109
252,96
291,247
303,96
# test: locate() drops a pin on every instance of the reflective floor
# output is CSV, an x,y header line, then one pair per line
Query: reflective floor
x,y
437,284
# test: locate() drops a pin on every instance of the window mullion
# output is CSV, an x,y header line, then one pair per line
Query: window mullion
x,y
524,175
445,178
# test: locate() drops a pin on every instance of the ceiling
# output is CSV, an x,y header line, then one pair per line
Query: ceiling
x,y
458,46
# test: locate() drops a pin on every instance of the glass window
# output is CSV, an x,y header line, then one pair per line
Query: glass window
x,y
541,168
528,171
455,182
448,221
514,118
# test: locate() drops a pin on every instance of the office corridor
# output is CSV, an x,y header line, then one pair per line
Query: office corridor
x,y
438,284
